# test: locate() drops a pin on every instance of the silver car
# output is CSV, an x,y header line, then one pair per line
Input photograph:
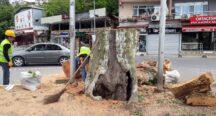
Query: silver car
x,y
42,53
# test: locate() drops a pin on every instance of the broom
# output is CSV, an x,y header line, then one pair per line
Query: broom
x,y
55,97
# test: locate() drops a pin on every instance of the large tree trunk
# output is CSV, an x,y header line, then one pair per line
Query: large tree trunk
x,y
199,84
111,72
201,99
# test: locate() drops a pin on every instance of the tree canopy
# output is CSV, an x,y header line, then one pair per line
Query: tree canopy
x,y
59,7
7,16
56,7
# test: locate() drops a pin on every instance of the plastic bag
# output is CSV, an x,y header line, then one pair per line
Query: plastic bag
x,y
172,76
31,80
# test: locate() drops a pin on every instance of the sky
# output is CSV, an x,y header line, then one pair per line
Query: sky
x,y
24,0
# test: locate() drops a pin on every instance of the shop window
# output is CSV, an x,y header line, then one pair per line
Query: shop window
x,y
189,37
142,43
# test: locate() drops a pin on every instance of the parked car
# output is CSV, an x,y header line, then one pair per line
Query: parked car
x,y
42,53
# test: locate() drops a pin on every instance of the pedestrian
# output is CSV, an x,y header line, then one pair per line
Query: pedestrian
x,y
6,57
84,52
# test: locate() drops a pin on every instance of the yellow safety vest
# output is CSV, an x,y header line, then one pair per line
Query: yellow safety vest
x,y
2,58
84,50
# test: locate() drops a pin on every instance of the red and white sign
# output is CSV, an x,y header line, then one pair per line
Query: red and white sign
x,y
23,20
203,20
199,29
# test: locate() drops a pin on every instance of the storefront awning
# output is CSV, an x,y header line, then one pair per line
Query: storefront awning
x,y
199,29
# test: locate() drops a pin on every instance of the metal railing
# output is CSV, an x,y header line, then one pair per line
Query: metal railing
x,y
192,46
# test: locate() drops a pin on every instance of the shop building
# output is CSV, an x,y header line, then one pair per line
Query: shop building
x,y
144,15
28,26
198,20
190,25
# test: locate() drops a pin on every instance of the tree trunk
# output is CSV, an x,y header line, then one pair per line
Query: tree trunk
x,y
111,72
200,84
201,99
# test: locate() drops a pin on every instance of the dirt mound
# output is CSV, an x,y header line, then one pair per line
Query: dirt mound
x,y
21,102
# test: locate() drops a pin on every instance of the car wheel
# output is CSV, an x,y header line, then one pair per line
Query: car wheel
x,y
62,60
18,61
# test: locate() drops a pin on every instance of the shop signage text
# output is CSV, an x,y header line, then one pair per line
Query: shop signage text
x,y
203,20
199,29
168,31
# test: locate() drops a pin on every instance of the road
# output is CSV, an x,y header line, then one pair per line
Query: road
x,y
44,70
188,67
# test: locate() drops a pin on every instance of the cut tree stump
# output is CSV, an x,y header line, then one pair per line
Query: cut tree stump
x,y
112,72
201,99
199,84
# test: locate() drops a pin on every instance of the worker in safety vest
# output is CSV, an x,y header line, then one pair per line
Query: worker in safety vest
x,y
84,52
6,56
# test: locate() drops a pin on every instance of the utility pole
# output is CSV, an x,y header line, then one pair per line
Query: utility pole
x,y
72,37
94,38
161,44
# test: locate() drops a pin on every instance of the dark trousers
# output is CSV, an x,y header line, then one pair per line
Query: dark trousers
x,y
6,73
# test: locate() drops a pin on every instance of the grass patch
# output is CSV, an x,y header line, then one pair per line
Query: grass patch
x,y
176,101
141,97
167,114
201,114
137,113
160,101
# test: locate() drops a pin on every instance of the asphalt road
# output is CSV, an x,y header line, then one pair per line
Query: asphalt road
x,y
188,67
44,70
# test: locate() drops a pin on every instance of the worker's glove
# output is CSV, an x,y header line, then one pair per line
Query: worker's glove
x,y
10,64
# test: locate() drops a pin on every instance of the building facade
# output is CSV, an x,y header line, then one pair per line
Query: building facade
x,y
198,26
59,25
190,25
28,26
145,15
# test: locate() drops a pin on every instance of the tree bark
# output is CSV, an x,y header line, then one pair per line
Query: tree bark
x,y
200,84
111,72
201,99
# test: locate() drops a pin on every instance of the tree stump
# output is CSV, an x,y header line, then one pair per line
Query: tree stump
x,y
111,72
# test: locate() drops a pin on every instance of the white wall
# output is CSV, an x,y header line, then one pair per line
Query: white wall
x,y
23,20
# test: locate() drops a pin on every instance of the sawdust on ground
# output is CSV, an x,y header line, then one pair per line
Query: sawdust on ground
x,y
21,102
